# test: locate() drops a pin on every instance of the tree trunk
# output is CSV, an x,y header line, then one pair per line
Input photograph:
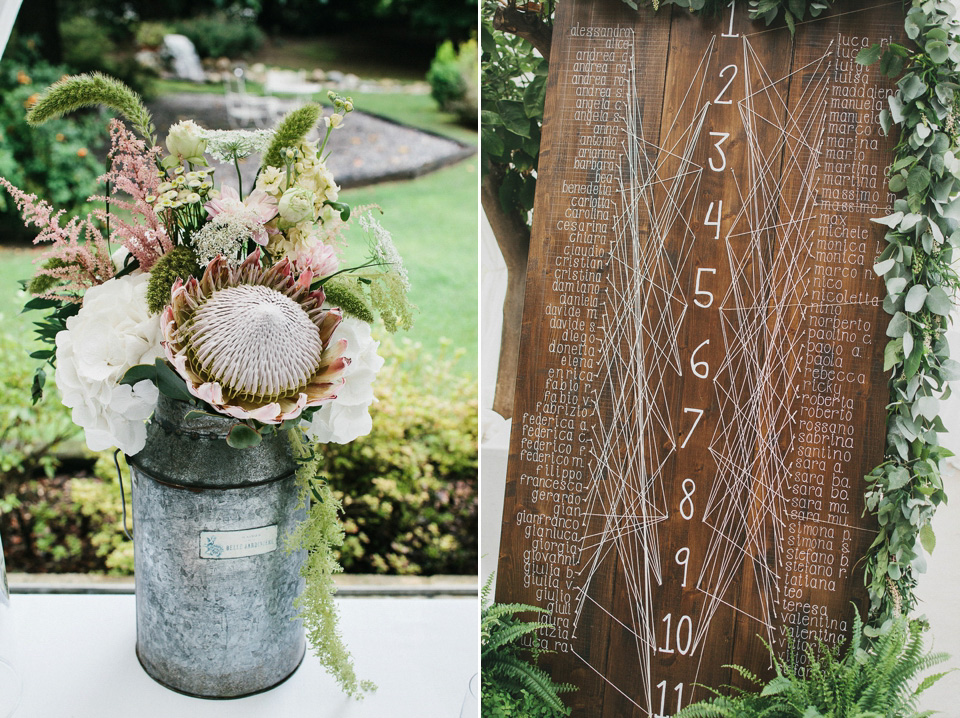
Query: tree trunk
x,y
513,238
525,23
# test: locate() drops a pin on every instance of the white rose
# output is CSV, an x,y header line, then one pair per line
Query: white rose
x,y
296,205
185,140
347,417
112,332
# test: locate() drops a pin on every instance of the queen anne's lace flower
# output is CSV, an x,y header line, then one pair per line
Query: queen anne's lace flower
x,y
228,145
113,331
348,416
254,343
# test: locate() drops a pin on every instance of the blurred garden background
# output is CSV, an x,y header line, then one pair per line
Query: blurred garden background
x,y
410,488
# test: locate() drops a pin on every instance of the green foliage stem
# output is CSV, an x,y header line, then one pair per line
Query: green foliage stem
x,y
77,91
290,132
319,536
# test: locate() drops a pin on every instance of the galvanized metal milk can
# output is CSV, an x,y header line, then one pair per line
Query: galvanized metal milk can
x,y
215,588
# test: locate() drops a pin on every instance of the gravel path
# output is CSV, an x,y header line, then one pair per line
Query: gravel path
x,y
365,150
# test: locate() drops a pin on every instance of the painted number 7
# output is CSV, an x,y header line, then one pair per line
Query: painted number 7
x,y
699,413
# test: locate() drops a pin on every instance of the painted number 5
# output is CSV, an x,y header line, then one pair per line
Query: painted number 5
x,y
698,292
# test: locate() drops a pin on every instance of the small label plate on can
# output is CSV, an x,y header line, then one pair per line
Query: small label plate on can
x,y
238,544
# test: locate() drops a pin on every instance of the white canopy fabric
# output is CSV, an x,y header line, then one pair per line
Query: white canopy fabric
x,y
8,14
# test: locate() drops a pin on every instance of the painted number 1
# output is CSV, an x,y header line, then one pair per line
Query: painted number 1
x,y
729,32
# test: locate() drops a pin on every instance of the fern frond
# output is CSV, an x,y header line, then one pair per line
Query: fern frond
x,y
508,635
535,680
77,91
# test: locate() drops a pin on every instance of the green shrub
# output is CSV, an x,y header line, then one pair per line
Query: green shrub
x,y
57,161
88,47
86,43
151,34
98,500
222,34
409,489
31,520
453,80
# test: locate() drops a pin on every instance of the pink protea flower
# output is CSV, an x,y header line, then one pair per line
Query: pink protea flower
x,y
254,343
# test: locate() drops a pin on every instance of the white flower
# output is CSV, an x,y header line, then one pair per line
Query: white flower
x,y
272,180
348,416
296,205
112,332
186,140
228,145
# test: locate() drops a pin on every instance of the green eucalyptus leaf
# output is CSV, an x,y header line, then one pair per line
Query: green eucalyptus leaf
x,y
950,369
938,302
915,298
937,50
242,436
899,325
892,353
927,538
170,384
138,373
869,55
897,478
918,179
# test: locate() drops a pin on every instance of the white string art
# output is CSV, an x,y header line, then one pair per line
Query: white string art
x,y
762,315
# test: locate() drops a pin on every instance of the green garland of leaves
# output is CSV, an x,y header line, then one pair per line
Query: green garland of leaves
x,y
319,535
792,11
906,488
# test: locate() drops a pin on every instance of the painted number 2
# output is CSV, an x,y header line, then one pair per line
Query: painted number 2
x,y
723,73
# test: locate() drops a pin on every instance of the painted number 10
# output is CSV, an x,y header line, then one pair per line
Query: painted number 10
x,y
684,634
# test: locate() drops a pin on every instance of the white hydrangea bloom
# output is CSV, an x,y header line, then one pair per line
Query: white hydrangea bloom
x,y
112,332
348,416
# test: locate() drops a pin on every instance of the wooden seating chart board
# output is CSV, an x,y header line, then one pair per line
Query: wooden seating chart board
x,y
701,388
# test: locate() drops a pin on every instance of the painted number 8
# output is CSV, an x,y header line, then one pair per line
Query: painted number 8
x,y
686,503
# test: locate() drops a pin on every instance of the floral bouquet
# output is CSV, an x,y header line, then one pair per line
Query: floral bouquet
x,y
233,301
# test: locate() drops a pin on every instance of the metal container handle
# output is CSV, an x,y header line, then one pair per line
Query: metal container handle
x,y
123,500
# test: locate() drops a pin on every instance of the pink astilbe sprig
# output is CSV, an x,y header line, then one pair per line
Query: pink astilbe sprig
x,y
133,176
79,246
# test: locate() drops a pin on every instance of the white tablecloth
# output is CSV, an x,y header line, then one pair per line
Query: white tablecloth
x,y
76,656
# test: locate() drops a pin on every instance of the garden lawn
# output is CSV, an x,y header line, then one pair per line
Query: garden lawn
x,y
433,221
16,264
